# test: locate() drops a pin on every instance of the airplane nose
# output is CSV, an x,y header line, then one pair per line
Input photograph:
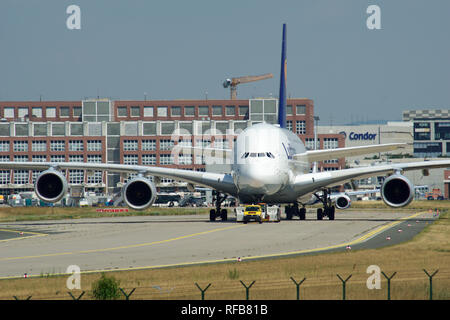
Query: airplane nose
x,y
260,179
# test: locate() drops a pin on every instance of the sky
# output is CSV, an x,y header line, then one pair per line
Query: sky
x,y
185,50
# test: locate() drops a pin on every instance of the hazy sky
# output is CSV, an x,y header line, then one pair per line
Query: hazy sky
x,y
182,49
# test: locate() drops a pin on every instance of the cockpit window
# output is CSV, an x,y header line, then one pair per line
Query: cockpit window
x,y
270,155
261,154
245,155
253,155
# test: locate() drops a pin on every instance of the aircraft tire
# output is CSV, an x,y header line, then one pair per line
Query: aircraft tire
x,y
319,214
331,213
302,213
224,215
212,215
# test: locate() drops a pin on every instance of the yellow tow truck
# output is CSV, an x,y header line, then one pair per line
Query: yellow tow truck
x,y
260,212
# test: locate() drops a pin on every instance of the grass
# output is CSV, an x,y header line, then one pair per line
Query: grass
x,y
429,250
10,214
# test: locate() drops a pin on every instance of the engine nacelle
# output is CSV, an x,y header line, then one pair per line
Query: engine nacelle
x,y
139,193
342,202
397,191
51,186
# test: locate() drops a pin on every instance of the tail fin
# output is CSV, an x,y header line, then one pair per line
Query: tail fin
x,y
282,96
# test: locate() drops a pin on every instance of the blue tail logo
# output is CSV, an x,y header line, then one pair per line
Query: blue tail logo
x,y
282,96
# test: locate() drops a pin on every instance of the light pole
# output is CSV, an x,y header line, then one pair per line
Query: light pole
x,y
316,118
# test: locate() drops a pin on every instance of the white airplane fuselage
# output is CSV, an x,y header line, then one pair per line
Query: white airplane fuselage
x,y
262,170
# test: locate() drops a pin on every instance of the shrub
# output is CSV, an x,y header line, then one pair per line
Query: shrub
x,y
106,288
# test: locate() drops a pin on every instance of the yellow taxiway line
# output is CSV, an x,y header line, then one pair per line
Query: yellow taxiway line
x,y
33,234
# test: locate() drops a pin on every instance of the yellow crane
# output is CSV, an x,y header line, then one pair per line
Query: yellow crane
x,y
233,82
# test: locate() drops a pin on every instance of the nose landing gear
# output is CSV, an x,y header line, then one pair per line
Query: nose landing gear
x,y
295,211
218,212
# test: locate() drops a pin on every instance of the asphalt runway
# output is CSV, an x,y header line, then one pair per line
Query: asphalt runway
x,y
126,243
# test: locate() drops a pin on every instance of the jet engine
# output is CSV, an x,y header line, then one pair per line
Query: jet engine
x,y
139,193
342,202
51,186
397,191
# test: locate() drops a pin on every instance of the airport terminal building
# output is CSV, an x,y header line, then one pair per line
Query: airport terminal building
x,y
136,132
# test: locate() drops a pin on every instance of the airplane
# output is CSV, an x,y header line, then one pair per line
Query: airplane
x,y
269,164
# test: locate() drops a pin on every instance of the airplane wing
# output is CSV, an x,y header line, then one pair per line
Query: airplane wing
x,y
217,181
326,154
315,181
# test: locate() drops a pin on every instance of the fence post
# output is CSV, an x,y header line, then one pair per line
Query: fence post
x,y
344,282
203,290
431,281
389,283
247,289
79,297
298,286
127,296
29,297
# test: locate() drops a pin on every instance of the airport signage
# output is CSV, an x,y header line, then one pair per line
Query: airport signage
x,y
359,136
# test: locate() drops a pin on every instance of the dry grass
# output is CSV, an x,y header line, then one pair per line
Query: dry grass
x,y
10,214
430,250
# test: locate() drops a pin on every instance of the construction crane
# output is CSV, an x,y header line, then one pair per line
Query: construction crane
x,y
233,82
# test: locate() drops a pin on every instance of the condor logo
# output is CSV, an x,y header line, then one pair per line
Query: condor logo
x,y
362,136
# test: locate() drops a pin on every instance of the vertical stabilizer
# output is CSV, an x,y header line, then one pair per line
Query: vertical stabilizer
x,y
282,96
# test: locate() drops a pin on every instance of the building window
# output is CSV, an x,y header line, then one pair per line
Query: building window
x,y
217,111
148,159
57,145
243,110
76,176
166,144
4,158
39,146
4,177
77,112
131,159
300,109
95,178
162,111
309,143
130,145
94,145
39,158
50,112
189,111
330,143
230,110
94,158
21,158
135,111
122,112
300,127
185,159
289,110
76,158
23,112
4,146
148,145
422,131
64,112
36,112
175,111
148,111
203,111
58,158
20,146
8,112
76,145
289,125
165,159
21,176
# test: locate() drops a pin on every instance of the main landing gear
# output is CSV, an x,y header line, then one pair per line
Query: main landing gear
x,y
294,210
218,212
328,207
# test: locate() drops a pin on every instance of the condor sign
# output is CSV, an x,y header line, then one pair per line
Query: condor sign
x,y
359,136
